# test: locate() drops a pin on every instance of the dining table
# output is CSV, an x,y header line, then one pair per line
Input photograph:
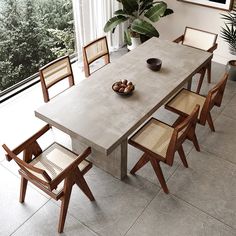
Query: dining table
x,y
92,114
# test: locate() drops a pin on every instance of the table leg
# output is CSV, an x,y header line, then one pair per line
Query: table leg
x,y
115,163
189,84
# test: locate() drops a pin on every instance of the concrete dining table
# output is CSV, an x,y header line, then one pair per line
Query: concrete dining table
x,y
94,115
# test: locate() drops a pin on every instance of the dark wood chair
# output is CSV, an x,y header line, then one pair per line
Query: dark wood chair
x,y
53,73
202,40
160,141
184,101
93,51
54,170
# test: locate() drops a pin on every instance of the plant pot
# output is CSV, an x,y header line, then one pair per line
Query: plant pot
x,y
231,69
135,43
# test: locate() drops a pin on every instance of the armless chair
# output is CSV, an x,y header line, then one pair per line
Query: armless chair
x,y
184,101
159,142
53,73
93,51
202,40
54,170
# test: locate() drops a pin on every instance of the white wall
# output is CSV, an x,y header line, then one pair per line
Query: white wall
x,y
205,18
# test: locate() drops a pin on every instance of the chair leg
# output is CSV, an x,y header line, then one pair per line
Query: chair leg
x,y
193,138
210,122
209,73
65,203
23,187
80,181
178,121
182,156
142,161
156,166
201,80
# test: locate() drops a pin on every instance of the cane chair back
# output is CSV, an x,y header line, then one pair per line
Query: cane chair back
x,y
53,73
54,170
93,51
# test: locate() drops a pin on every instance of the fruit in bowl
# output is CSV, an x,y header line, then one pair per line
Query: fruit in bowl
x,y
123,87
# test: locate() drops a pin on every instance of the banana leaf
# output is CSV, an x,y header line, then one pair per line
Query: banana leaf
x,y
156,12
144,27
130,6
113,22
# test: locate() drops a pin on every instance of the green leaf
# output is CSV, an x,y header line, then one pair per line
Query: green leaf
x,y
113,22
127,37
144,27
121,13
156,12
130,6
168,12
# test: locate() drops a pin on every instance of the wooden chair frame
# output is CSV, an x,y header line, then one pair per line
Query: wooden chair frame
x,y
105,55
183,130
46,87
70,175
207,68
214,97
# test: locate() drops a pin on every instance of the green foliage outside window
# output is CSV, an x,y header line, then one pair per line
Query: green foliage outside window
x,y
32,33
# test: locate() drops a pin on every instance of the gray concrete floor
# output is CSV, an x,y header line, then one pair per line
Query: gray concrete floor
x,y
202,199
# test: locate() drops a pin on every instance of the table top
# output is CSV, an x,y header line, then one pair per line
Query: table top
x,y
94,114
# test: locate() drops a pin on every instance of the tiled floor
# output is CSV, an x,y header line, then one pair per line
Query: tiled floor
x,y
202,199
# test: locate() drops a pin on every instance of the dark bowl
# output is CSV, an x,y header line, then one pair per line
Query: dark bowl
x,y
154,64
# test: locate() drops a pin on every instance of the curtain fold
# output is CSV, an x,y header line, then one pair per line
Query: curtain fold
x,y
90,17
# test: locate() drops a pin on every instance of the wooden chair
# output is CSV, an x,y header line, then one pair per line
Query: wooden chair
x,y
54,170
54,72
159,142
93,51
184,101
202,40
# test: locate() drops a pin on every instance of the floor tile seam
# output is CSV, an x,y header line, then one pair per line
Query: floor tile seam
x,y
218,156
205,212
142,212
71,215
29,217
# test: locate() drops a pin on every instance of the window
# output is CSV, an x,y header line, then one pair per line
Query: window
x,y
32,33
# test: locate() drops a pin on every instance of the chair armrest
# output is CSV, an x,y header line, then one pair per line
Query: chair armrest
x,y
213,48
70,168
29,141
179,39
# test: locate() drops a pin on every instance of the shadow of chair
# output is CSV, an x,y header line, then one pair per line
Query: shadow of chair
x,y
93,51
160,141
53,73
203,40
54,170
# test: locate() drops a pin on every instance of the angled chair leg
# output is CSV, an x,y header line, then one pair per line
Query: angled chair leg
x,y
182,156
203,72
23,187
178,121
65,203
210,122
209,73
141,162
193,138
80,181
156,166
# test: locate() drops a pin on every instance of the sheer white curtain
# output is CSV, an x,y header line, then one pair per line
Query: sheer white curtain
x,y
90,17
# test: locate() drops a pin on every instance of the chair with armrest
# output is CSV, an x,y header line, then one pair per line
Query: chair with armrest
x,y
160,141
54,170
202,40
93,51
53,73
184,101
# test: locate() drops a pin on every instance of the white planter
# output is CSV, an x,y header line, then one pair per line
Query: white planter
x,y
135,43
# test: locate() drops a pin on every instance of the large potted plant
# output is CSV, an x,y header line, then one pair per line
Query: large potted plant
x,y
140,15
228,33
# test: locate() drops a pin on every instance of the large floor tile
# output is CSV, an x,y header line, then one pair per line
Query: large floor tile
x,y
45,222
118,203
209,184
230,109
13,213
222,142
169,216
